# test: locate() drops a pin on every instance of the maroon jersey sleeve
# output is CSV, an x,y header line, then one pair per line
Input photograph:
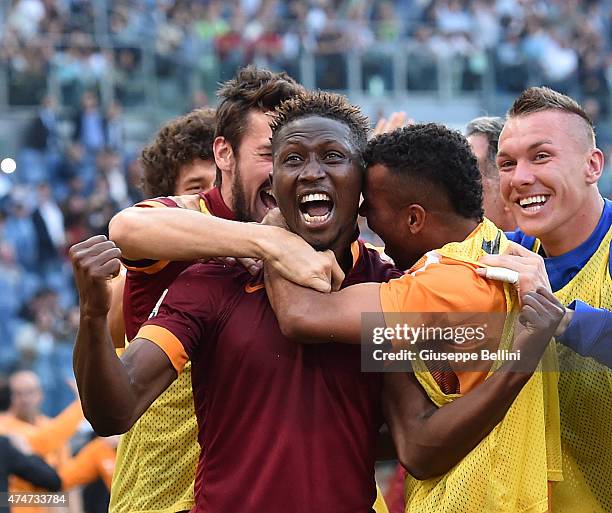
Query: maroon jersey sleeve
x,y
185,322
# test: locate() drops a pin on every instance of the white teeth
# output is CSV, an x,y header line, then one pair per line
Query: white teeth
x,y
532,199
315,219
315,197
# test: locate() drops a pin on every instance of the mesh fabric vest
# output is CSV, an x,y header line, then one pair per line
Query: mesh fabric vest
x,y
509,470
585,396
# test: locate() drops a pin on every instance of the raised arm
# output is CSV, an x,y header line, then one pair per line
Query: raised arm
x,y
184,234
114,392
431,440
58,431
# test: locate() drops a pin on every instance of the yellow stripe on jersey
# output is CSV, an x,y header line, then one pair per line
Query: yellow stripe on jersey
x,y
380,506
204,208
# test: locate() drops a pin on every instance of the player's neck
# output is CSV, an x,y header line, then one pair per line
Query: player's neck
x,y
576,231
342,249
226,193
453,230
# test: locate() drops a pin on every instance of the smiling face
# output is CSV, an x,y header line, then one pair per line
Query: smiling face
x,y
317,180
548,172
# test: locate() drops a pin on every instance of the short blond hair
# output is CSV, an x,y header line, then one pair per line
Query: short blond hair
x,y
538,99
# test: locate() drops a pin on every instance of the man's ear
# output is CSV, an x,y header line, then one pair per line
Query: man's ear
x,y
224,155
595,165
415,216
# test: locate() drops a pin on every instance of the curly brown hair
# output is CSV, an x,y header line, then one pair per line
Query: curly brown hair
x,y
178,142
325,104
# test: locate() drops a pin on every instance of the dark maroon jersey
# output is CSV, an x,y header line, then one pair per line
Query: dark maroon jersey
x,y
284,427
146,280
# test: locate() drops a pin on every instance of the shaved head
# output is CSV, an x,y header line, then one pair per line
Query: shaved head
x,y
539,99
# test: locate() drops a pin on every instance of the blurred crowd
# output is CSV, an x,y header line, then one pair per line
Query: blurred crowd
x,y
116,46
65,189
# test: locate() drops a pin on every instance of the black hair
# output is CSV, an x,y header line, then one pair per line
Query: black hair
x,y
437,155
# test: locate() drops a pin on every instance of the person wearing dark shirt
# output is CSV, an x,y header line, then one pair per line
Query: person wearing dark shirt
x,y
25,466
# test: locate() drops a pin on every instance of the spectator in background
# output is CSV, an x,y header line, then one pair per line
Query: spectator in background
x,y
48,223
90,124
40,156
11,284
483,135
134,180
19,230
43,343
42,134
115,130
75,208
110,169
128,78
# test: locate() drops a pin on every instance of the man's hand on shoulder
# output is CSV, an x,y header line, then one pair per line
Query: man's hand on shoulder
x,y
529,266
95,262
296,260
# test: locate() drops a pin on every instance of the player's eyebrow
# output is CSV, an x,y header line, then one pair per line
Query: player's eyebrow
x,y
531,147
539,143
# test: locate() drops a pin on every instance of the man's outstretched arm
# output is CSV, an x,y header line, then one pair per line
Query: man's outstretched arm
x,y
114,392
308,316
185,234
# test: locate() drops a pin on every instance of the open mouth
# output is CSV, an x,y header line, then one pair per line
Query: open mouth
x,y
267,199
316,208
533,203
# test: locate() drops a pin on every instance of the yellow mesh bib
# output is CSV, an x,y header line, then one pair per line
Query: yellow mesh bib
x,y
508,471
157,458
585,396
380,506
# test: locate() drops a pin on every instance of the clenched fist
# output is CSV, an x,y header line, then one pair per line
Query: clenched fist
x,y
95,262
